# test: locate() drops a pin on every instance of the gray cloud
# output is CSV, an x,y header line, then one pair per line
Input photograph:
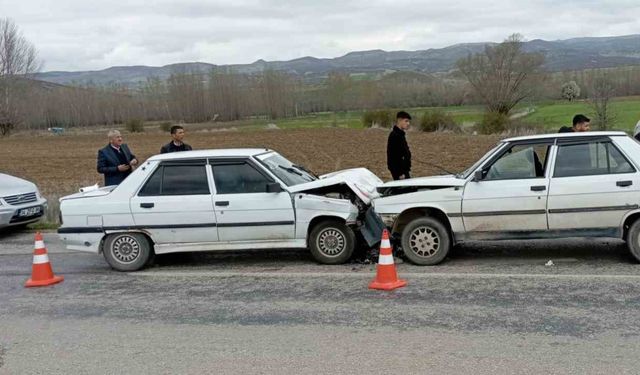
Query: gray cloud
x,y
82,35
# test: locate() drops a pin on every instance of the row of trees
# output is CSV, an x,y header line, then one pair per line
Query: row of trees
x,y
226,96
500,77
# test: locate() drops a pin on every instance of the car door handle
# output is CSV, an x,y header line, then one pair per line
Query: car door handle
x,y
147,205
222,203
538,188
624,183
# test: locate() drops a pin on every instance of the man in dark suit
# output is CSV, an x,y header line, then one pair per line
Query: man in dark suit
x,y
398,153
176,144
115,160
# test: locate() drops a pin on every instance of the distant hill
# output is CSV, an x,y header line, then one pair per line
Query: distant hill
x,y
570,54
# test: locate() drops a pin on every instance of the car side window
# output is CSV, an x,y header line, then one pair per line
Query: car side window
x,y
589,159
518,162
153,185
177,180
239,178
185,180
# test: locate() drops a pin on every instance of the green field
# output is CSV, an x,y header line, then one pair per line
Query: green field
x,y
552,115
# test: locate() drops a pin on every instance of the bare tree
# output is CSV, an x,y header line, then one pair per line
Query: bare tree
x,y
187,100
226,92
18,60
338,84
277,97
503,75
601,94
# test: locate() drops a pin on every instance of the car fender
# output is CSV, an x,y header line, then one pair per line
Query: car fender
x,y
447,200
310,207
625,218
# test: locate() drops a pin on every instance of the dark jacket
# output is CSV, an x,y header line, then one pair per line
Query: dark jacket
x,y
170,147
566,129
398,154
108,161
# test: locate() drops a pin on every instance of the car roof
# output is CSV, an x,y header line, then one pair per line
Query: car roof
x,y
566,135
211,153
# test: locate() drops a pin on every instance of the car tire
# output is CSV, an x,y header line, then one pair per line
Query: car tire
x,y
331,242
127,252
633,240
425,241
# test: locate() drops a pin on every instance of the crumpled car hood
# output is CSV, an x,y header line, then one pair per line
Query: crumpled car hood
x,y
447,180
361,181
10,185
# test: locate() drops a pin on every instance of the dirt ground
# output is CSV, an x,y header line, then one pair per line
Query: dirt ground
x,y
59,165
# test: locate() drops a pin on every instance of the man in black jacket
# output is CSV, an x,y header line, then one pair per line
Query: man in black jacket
x,y
581,123
115,160
176,144
398,153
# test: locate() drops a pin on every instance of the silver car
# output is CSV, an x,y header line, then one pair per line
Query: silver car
x,y
20,202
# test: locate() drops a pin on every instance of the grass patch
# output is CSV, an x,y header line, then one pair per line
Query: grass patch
x,y
43,225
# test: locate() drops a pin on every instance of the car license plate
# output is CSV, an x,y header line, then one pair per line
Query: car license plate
x,y
29,211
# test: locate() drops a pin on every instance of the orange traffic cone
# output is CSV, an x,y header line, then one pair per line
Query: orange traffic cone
x,y
386,276
41,274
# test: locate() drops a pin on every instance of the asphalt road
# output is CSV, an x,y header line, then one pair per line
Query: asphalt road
x,y
492,308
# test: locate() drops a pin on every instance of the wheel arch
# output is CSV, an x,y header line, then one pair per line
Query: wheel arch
x,y
406,216
628,220
320,218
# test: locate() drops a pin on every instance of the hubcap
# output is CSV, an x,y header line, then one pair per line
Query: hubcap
x,y
424,242
331,242
126,249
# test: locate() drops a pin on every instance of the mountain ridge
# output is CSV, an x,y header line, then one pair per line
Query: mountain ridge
x,y
569,54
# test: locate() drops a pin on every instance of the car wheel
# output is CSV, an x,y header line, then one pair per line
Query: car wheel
x,y
127,251
425,241
633,240
331,242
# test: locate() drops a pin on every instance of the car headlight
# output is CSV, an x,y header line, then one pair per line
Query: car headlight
x,y
388,219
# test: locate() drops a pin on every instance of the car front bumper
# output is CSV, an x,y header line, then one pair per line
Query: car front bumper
x,y
372,227
10,215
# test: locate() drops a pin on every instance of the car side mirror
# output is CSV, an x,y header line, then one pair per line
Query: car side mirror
x,y
274,187
478,176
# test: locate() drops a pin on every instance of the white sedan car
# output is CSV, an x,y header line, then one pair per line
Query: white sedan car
x,y
20,202
221,200
535,187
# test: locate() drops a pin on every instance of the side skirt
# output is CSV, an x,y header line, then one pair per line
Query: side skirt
x,y
222,246
542,234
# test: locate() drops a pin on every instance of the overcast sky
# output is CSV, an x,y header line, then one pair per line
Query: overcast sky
x,y
96,34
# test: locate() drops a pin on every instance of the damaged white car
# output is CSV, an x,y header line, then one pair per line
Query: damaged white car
x,y
221,200
544,186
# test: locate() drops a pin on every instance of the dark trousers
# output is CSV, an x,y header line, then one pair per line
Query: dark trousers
x,y
397,176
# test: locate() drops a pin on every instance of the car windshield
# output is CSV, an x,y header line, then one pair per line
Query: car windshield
x,y
290,173
467,172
